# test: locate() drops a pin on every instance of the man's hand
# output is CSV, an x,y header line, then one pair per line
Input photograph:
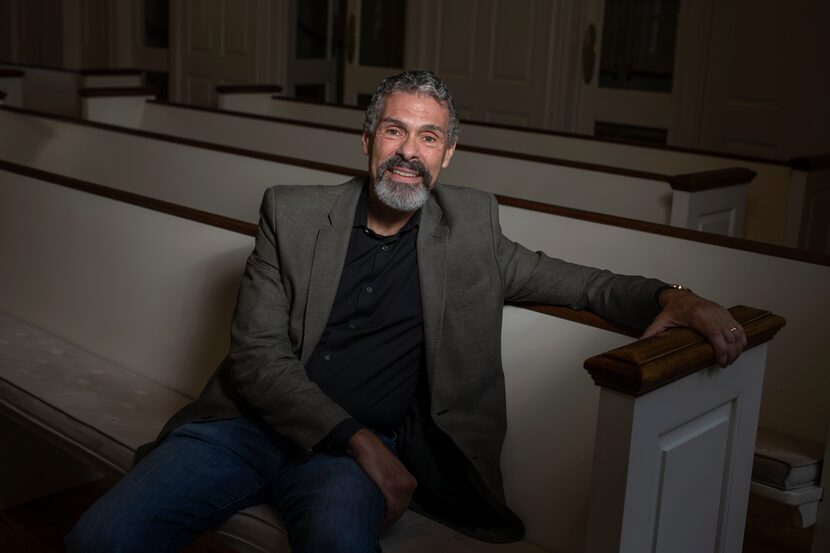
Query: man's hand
x,y
684,308
384,469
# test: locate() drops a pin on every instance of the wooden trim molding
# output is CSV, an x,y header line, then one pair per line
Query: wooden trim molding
x,y
315,103
110,72
248,88
811,163
815,258
582,317
11,73
577,136
708,180
155,204
648,364
36,66
117,91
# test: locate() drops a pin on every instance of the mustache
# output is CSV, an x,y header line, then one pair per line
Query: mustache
x,y
414,165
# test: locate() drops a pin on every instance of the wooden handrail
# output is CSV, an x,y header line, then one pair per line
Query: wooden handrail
x,y
578,136
177,210
643,366
119,91
811,163
731,242
247,88
110,71
708,180
11,73
816,258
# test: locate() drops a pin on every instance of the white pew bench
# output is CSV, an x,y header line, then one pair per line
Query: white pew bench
x,y
777,184
184,273
719,207
207,178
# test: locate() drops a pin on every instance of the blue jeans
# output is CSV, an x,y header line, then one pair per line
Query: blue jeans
x,y
204,472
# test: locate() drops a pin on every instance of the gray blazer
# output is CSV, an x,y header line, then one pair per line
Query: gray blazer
x,y
468,270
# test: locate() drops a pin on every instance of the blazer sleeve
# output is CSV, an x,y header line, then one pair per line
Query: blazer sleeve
x,y
264,369
535,277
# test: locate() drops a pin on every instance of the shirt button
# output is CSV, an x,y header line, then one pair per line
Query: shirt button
x,y
351,326
384,247
369,289
326,357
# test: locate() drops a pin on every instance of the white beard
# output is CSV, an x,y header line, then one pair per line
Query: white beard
x,y
400,196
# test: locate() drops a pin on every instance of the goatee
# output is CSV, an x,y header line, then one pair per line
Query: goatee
x,y
398,195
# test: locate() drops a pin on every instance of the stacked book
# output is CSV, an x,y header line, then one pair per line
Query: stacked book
x,y
786,475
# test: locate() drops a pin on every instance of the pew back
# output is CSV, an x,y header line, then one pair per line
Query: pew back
x,y
794,405
637,195
229,183
55,90
768,193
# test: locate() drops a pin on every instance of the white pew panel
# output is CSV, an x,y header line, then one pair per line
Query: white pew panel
x,y
156,168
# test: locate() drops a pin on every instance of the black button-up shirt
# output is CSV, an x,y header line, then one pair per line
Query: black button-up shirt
x,y
370,356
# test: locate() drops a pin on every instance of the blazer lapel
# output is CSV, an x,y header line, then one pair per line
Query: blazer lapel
x,y
327,266
432,272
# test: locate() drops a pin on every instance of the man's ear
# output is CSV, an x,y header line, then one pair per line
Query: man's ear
x,y
448,156
364,141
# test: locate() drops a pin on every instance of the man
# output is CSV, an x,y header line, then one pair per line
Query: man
x,y
365,355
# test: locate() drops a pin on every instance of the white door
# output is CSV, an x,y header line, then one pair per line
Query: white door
x,y
639,64
216,42
376,44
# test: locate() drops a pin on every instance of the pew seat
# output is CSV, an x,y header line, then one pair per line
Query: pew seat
x,y
104,412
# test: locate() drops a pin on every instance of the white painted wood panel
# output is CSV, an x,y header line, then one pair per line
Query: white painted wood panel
x,y
680,483
217,42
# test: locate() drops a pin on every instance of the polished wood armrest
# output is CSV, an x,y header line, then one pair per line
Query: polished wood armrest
x,y
645,365
708,180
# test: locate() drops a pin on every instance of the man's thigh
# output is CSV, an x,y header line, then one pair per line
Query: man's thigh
x,y
197,477
329,504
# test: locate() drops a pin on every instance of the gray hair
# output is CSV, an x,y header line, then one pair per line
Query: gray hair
x,y
413,80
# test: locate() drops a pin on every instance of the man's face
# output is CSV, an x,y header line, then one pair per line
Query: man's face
x,y
409,148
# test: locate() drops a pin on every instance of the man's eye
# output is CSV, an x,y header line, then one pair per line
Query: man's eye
x,y
393,132
429,138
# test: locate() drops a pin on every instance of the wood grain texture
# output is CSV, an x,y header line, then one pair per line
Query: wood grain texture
x,y
247,88
109,72
645,365
117,91
708,180
811,163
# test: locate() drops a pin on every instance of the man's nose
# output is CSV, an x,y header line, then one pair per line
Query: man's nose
x,y
408,147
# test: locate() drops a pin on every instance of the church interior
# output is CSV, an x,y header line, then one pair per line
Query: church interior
x,y
684,140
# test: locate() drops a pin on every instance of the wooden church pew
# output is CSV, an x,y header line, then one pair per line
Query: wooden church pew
x,y
129,263
717,267
717,206
777,184
55,90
